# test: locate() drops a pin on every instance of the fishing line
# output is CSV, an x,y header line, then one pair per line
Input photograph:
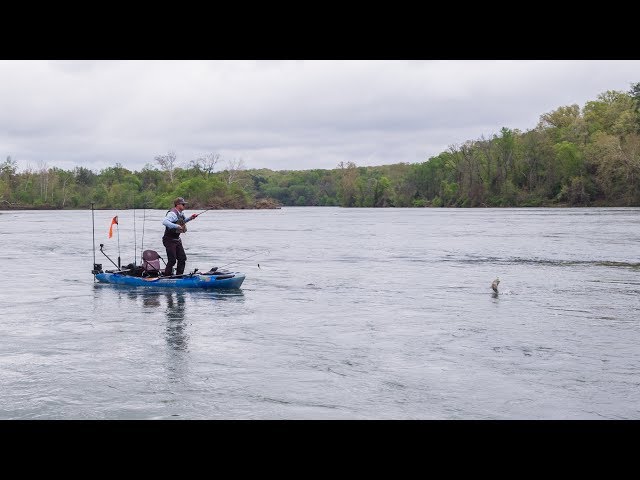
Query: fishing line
x,y
240,259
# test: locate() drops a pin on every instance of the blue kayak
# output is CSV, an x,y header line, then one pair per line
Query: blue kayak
x,y
206,281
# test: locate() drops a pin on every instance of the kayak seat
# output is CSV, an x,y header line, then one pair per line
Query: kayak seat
x,y
151,261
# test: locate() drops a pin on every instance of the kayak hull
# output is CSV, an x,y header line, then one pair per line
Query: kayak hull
x,y
190,281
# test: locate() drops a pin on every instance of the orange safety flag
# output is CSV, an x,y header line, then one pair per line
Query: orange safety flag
x,y
115,220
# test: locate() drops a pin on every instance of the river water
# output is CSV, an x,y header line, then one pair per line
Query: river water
x,y
344,314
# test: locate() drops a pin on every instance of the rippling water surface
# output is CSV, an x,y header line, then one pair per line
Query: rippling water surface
x,y
351,314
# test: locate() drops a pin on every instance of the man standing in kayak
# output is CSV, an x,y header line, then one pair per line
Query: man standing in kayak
x,y
175,224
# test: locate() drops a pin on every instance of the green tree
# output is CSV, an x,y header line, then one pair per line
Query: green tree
x,y
347,186
612,113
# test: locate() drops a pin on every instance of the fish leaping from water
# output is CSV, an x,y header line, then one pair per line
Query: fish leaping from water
x,y
494,285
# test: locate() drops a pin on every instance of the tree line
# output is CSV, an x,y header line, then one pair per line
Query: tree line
x,y
573,157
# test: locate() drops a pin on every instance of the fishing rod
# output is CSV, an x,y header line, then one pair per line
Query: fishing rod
x,y
144,217
210,208
135,252
240,259
93,225
183,223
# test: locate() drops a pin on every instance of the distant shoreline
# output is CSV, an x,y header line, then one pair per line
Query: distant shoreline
x,y
19,209
23,208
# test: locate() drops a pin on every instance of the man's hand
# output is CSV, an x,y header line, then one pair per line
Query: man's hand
x,y
193,215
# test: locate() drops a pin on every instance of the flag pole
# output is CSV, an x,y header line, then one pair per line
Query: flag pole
x,y
118,225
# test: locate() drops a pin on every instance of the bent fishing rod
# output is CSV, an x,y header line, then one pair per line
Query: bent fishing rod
x,y
183,223
210,208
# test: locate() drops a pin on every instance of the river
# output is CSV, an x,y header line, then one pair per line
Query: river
x,y
344,314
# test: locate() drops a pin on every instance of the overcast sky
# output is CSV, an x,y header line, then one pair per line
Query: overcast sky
x,y
282,115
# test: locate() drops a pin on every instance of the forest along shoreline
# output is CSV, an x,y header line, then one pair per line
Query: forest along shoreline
x,y
574,157
258,205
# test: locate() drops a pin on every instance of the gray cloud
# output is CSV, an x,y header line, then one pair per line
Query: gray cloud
x,y
279,114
